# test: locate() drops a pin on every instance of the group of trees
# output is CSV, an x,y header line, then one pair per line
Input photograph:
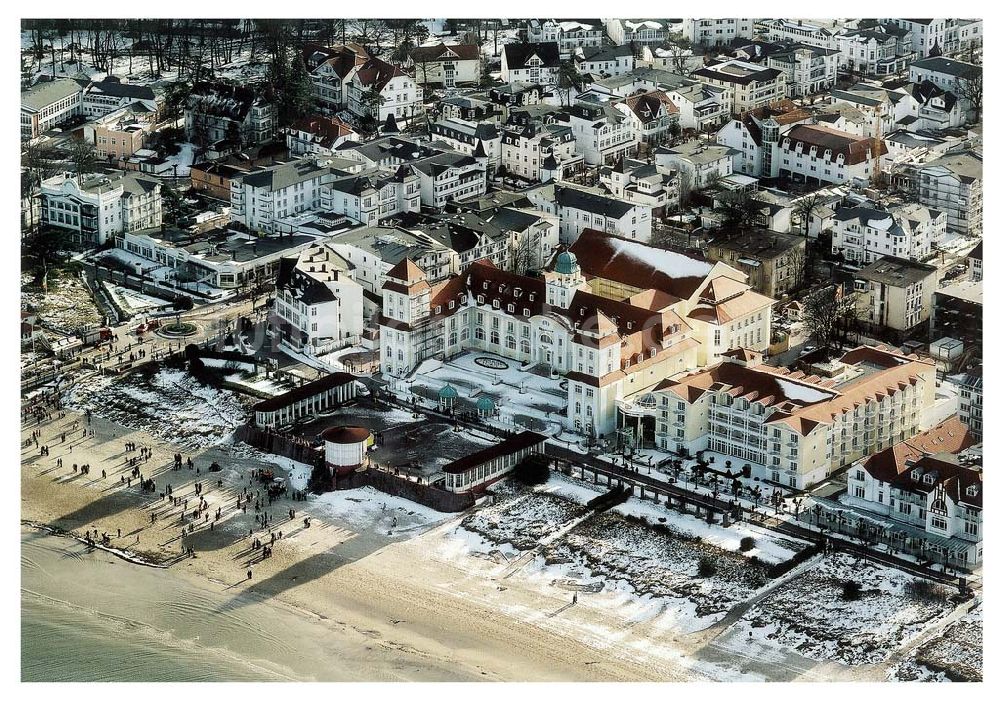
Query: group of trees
x,y
829,315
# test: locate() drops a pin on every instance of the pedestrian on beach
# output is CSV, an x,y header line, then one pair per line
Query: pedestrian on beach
x,y
249,575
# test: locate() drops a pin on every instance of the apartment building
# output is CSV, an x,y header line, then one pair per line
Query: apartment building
x,y
701,106
809,32
265,195
376,249
100,207
715,31
450,177
601,131
704,162
369,198
819,154
953,184
119,134
957,312
807,69
878,51
48,104
318,306
774,262
895,294
929,37
754,136
864,233
472,138
750,86
581,208
789,427
645,184
949,75
539,152
970,403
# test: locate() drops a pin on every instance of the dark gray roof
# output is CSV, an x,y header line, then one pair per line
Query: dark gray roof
x,y
939,64
569,197
518,54
123,90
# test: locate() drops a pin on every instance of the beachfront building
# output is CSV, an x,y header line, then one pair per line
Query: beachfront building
x,y
318,396
318,306
614,317
475,472
792,428
534,64
100,207
934,482
645,32
570,35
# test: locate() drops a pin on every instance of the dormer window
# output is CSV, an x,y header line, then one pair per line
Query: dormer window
x,y
464,299
628,325
437,310
527,313
928,479
972,491
510,307
480,299
517,293
496,303
451,304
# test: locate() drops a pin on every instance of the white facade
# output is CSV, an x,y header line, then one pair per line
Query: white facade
x,y
807,71
714,31
638,31
579,209
261,197
401,95
102,207
444,178
863,235
47,104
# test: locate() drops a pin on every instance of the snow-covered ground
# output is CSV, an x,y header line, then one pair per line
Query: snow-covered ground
x,y
134,301
523,519
956,654
169,404
182,159
65,308
809,615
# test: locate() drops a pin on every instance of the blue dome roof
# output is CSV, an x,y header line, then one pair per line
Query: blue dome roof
x,y
448,391
566,263
485,403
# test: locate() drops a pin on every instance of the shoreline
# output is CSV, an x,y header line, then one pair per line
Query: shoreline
x,y
385,602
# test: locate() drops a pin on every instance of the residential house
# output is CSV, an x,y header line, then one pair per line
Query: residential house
x,y
109,95
604,61
266,194
928,36
317,136
702,106
956,77
570,35
398,93
637,31
811,32
807,69
120,134
652,115
331,70
369,198
217,112
534,64
446,65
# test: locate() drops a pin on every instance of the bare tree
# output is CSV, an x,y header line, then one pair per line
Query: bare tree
x,y
971,89
804,208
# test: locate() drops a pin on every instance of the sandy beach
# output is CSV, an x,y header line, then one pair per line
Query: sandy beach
x,y
387,607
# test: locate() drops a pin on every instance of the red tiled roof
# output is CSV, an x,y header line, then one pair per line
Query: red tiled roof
x,y
854,149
